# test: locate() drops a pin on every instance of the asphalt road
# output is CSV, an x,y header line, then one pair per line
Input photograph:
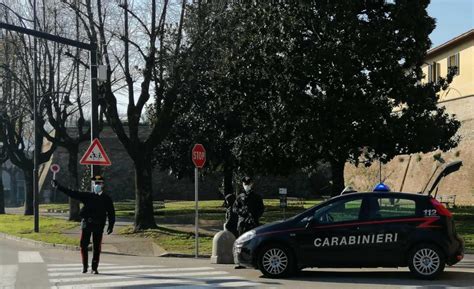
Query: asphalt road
x,y
26,266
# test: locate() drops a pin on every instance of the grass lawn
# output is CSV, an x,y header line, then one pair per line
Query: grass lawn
x,y
173,241
49,231
180,242
208,210
464,220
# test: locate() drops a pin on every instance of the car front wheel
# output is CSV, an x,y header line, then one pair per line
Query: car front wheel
x,y
276,261
426,261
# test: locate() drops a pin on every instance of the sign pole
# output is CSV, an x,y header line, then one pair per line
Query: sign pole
x,y
198,156
196,220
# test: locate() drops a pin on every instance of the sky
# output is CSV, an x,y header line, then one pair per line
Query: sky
x,y
453,17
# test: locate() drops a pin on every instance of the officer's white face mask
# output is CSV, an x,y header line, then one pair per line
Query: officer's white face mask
x,y
247,188
98,189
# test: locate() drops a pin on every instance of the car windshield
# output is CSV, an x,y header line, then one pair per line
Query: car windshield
x,y
309,212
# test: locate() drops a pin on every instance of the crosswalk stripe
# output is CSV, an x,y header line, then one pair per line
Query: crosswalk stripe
x,y
65,274
102,277
129,283
236,284
29,257
8,276
72,265
105,267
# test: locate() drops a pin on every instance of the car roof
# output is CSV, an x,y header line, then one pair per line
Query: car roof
x,y
382,194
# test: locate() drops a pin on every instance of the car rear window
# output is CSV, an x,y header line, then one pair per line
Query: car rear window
x,y
386,207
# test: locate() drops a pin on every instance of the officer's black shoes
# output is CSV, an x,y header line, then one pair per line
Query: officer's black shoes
x,y
94,271
84,270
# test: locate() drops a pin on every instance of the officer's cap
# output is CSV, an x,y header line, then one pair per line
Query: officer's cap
x,y
97,179
247,180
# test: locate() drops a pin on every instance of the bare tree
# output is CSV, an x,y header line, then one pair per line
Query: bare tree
x,y
66,117
3,159
55,83
140,43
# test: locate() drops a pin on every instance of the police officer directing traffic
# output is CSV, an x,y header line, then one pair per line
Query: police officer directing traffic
x,y
97,207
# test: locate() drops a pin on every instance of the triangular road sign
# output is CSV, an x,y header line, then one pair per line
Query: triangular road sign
x,y
95,155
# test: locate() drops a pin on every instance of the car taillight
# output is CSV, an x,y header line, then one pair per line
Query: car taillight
x,y
440,209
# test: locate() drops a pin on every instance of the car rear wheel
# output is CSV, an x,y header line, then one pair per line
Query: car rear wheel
x,y
426,261
276,261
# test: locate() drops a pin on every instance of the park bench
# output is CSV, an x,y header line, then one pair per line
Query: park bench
x,y
449,201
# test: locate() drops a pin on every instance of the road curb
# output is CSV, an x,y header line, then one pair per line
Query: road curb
x,y
178,255
40,243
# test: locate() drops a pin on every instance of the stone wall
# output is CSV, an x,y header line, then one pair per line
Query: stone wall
x,y
120,178
420,167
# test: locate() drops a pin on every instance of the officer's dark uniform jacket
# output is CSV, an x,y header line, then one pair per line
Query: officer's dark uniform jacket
x,y
249,208
96,209
231,217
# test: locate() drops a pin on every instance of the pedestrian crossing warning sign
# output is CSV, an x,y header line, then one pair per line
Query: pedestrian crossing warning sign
x,y
95,155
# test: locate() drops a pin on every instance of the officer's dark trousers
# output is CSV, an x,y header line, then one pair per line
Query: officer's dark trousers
x,y
96,231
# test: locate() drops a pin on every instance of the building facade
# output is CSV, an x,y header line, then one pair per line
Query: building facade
x,y
457,52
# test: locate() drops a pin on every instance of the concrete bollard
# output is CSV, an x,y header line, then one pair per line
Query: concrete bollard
x,y
222,245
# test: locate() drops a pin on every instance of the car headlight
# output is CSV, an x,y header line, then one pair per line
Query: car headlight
x,y
246,237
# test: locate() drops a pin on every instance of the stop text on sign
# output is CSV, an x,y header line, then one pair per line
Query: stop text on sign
x,y
199,155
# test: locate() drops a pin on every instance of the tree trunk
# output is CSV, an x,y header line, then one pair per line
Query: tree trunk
x,y
72,168
13,187
144,216
228,176
28,192
337,172
2,193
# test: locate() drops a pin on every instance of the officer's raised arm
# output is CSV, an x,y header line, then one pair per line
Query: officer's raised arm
x,y
81,196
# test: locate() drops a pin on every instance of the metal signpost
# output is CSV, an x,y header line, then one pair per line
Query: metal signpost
x,y
199,159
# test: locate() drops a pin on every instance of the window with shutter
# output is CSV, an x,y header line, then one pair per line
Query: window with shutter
x,y
453,63
433,72
437,72
430,73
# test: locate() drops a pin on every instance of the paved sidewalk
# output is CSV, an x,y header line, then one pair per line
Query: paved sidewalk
x,y
121,244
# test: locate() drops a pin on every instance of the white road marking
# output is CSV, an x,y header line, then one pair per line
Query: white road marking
x,y
102,277
29,257
118,276
8,276
236,284
101,268
131,283
65,274
72,265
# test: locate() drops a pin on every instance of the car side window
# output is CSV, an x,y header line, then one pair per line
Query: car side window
x,y
341,211
386,207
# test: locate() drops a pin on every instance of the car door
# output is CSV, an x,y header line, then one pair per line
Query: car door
x,y
330,238
393,219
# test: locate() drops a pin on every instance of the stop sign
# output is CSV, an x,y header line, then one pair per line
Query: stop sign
x,y
199,155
